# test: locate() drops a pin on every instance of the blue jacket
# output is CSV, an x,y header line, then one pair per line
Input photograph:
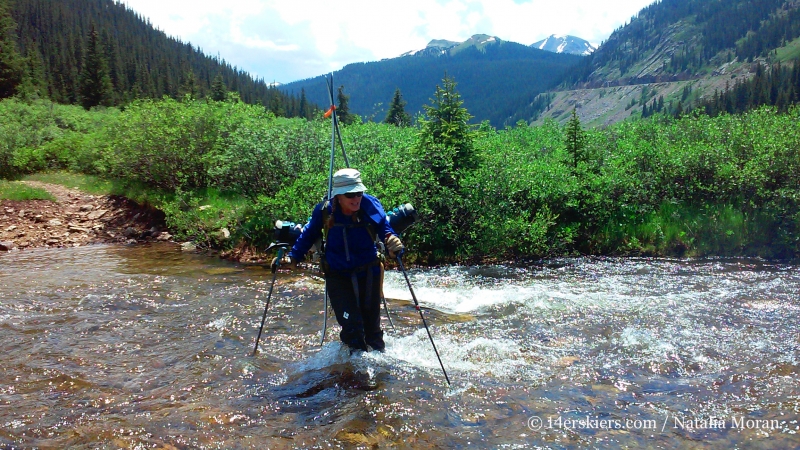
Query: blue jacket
x,y
349,245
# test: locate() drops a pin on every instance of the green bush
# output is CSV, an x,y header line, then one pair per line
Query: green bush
x,y
31,135
263,154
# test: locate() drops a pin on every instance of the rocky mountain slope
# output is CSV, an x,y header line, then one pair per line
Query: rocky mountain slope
x,y
682,51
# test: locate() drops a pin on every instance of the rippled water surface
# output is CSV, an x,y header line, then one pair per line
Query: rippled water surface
x,y
148,347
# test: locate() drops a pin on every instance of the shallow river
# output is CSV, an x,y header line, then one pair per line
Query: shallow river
x,y
148,347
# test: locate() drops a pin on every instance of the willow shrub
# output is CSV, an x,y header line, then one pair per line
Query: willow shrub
x,y
163,143
733,181
518,192
380,152
263,154
42,135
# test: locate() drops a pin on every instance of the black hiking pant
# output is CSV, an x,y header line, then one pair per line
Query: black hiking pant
x,y
356,300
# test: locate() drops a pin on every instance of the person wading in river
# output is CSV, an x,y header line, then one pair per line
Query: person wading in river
x,y
351,226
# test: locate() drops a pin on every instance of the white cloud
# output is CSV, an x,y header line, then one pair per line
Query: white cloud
x,y
289,40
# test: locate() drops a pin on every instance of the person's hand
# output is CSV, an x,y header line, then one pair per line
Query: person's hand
x,y
393,245
286,262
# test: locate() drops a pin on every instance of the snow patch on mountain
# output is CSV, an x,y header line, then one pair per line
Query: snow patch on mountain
x,y
565,44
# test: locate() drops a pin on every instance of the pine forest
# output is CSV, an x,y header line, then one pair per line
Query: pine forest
x,y
99,52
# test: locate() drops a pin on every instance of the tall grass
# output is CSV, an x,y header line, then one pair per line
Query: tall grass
x,y
91,184
18,191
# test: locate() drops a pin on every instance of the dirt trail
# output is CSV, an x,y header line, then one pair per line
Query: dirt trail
x,y
75,219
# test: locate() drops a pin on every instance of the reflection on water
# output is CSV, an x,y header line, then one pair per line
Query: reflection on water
x,y
145,346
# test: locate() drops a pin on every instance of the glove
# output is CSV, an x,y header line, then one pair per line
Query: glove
x,y
393,245
286,261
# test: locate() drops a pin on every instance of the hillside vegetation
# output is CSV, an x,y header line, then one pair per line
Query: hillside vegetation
x,y
101,53
672,46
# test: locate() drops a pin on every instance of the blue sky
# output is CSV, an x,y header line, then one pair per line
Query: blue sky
x,y
288,40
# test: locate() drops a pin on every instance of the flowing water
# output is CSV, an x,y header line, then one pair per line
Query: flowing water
x,y
148,347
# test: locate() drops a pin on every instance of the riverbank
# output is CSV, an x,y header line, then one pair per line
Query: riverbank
x,y
75,219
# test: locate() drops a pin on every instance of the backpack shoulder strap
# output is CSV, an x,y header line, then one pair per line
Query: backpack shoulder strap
x,y
362,219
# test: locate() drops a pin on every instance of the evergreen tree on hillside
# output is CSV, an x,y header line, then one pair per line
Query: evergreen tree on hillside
x,y
218,90
142,62
34,84
95,82
111,52
12,65
343,110
778,86
303,109
190,86
397,114
276,104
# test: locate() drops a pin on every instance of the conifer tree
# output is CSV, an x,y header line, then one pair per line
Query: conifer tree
x,y
190,86
34,84
276,103
95,86
575,138
397,114
679,109
343,110
446,153
111,52
303,110
11,63
446,138
218,90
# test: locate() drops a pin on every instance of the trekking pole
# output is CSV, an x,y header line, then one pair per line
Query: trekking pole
x,y
325,320
388,316
416,305
382,249
281,248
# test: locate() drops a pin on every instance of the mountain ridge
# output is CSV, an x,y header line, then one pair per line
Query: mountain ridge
x,y
495,77
565,44
553,43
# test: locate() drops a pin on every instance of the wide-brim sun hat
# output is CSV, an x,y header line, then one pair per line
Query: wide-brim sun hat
x,y
347,180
